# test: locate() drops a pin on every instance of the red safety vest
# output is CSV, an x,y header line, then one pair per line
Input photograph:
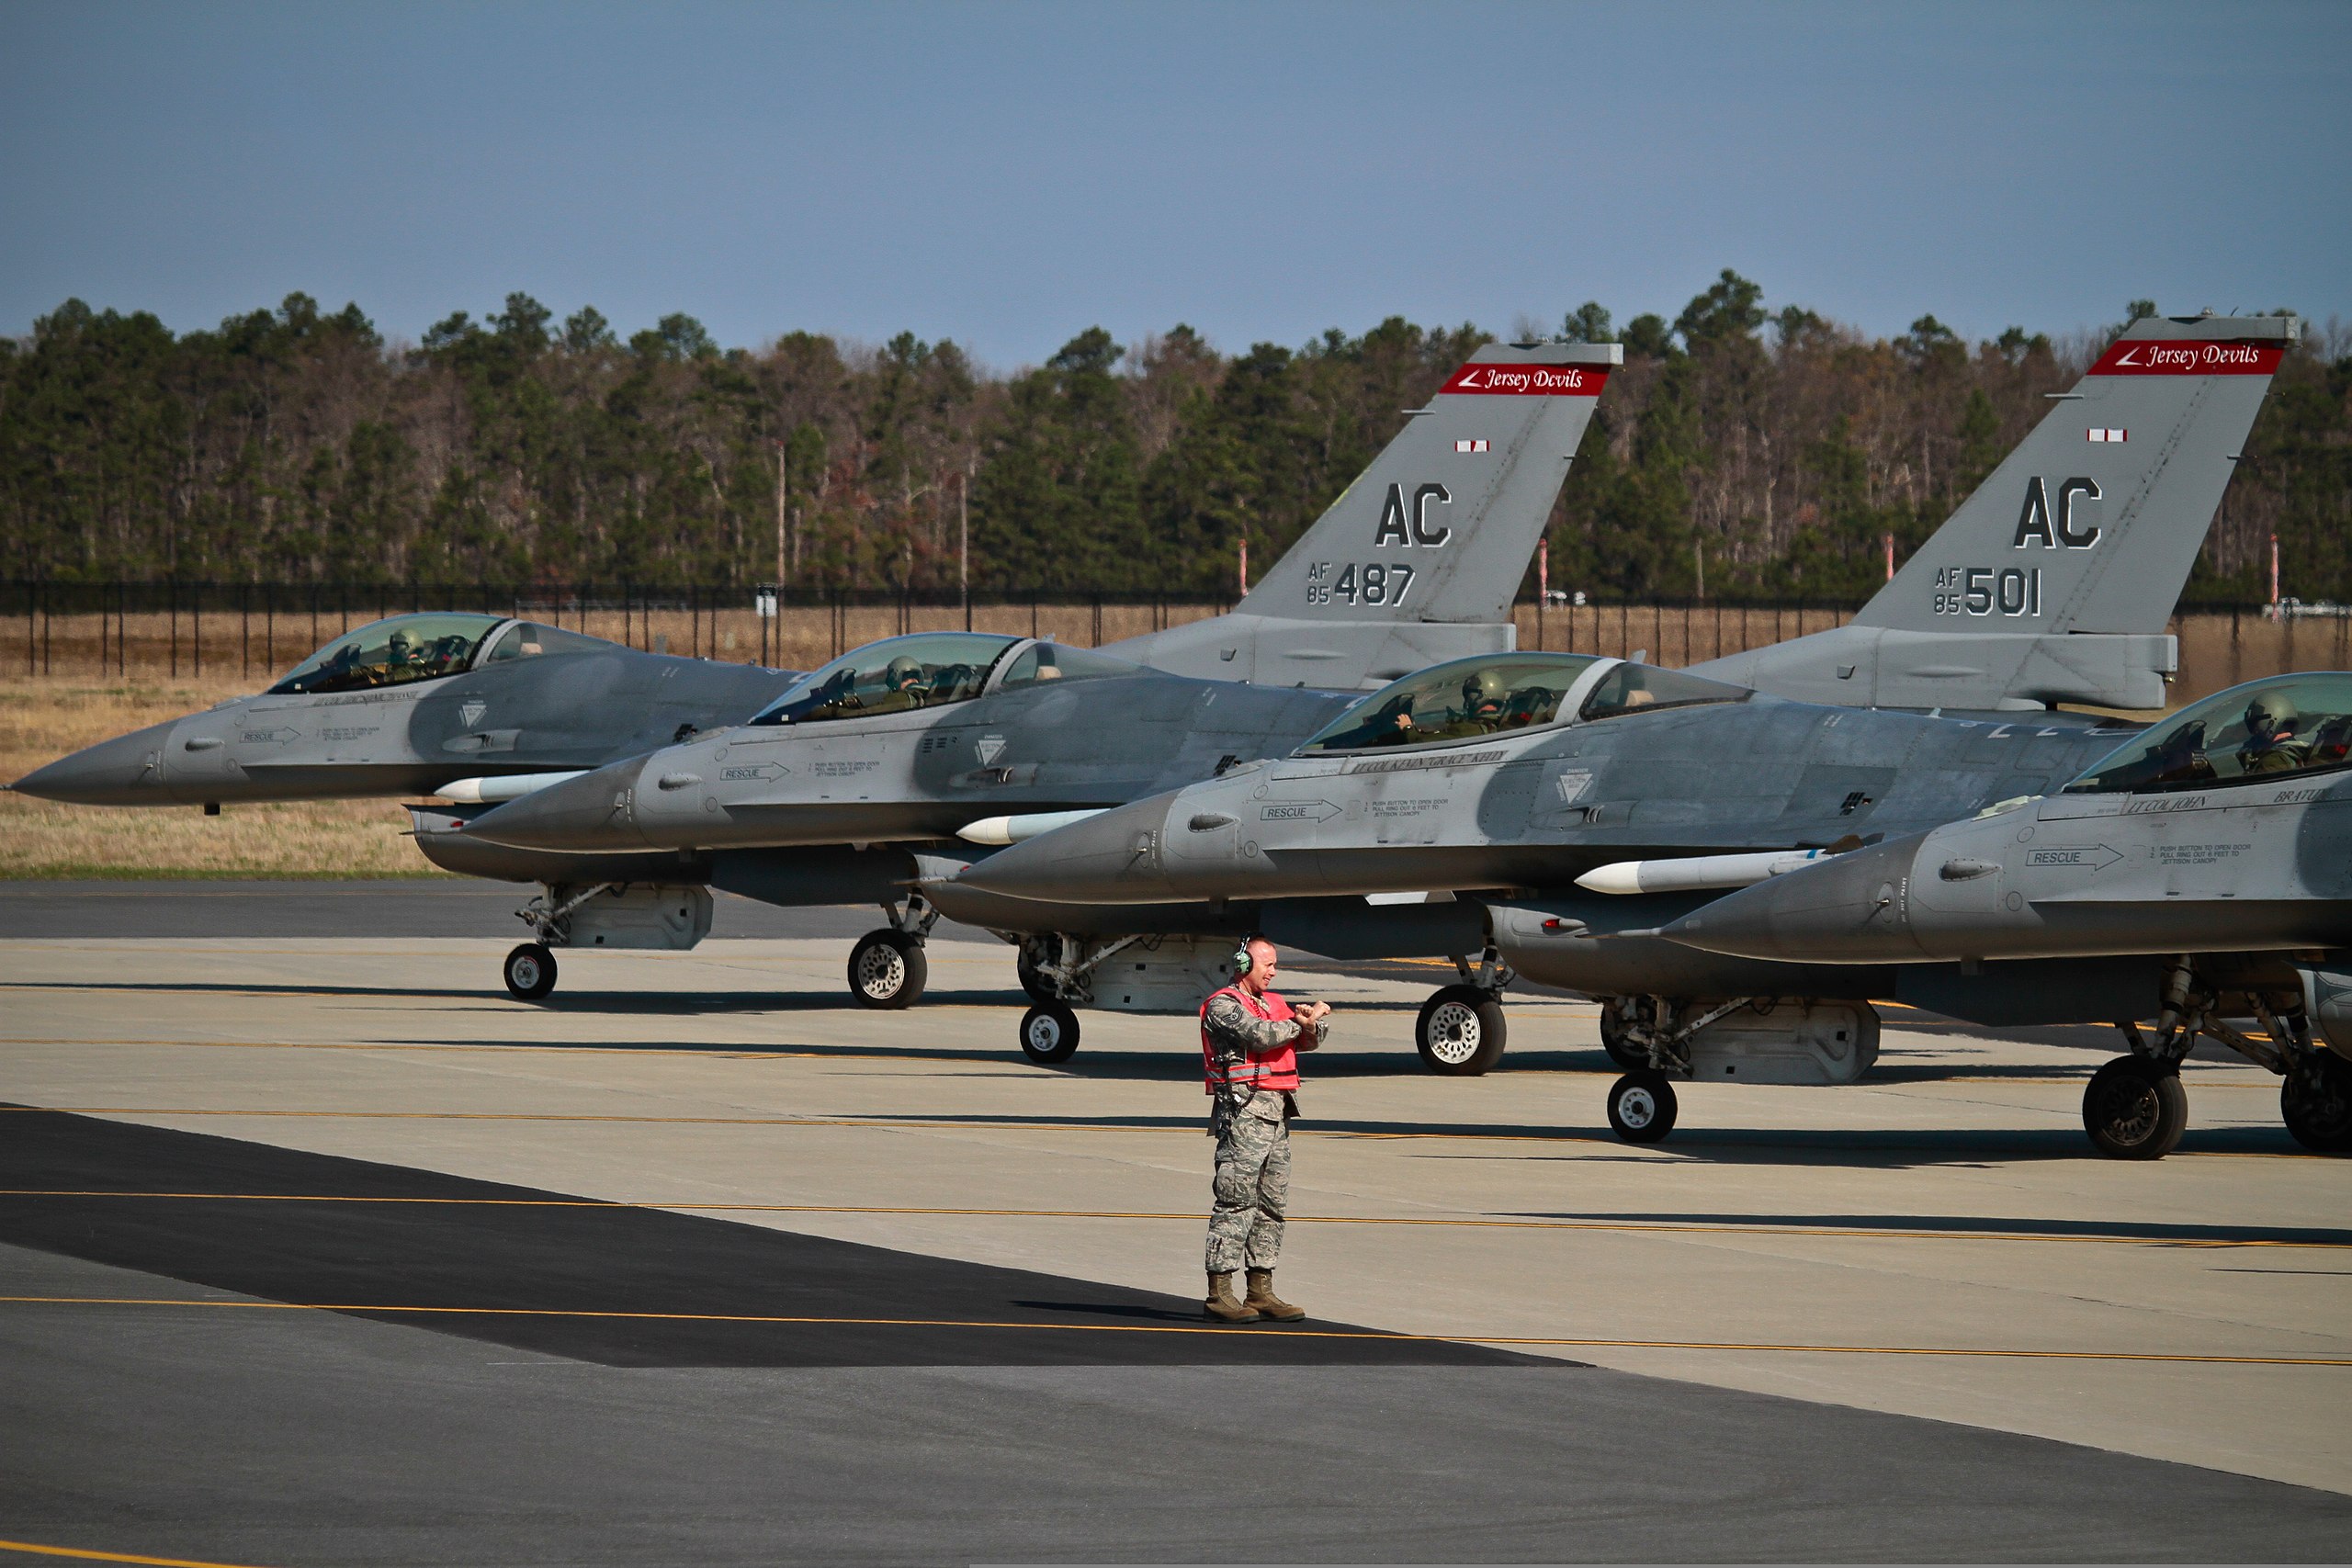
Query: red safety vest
x,y
1274,1070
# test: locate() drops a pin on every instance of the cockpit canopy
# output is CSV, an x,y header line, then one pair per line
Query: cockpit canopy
x,y
424,647
1495,693
2275,728
925,669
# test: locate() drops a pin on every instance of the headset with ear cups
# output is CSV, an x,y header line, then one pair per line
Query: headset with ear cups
x,y
1242,961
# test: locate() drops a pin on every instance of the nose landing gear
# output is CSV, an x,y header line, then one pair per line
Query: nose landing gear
x,y
530,972
1642,1106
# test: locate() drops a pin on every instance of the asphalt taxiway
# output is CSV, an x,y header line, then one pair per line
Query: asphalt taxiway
x,y
319,1248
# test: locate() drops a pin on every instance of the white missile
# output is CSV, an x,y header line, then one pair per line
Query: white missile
x,y
1013,829
1695,871
501,786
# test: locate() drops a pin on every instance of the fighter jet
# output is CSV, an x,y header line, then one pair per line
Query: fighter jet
x,y
911,741
2051,584
2172,475
472,707
1455,812
2208,860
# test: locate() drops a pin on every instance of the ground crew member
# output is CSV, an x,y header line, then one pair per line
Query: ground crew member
x,y
1250,1044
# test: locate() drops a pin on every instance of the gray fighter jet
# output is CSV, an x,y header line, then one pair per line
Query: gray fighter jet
x,y
2208,861
912,740
1455,812
2051,584
473,708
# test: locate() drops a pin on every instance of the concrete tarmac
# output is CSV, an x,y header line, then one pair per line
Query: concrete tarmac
x,y
322,1249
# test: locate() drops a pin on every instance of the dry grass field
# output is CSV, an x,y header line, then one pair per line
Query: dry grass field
x,y
42,720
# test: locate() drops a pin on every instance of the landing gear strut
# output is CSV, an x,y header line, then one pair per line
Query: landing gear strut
x,y
887,968
1461,1030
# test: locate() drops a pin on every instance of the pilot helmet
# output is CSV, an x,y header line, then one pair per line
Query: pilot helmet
x,y
2269,714
402,645
903,673
1482,689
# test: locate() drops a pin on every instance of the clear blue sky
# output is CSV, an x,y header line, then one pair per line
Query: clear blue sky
x,y
1009,175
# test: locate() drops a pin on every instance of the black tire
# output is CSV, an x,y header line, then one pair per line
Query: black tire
x,y
530,972
1460,1032
1040,989
1641,1107
1048,1034
1623,1052
887,969
2315,1101
2134,1109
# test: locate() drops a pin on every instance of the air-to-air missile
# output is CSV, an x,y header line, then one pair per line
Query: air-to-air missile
x,y
2208,859
471,707
1453,814
819,799
2020,600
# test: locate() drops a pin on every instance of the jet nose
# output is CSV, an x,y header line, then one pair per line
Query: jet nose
x,y
1110,858
1849,909
120,772
594,811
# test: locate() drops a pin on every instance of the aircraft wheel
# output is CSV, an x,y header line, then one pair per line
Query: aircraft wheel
x,y
1460,1032
887,969
1622,1051
530,972
1641,1107
1048,1034
2315,1101
1040,989
2134,1110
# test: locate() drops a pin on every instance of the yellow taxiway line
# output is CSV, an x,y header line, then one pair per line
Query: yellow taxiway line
x,y
1637,1227
938,1124
85,1554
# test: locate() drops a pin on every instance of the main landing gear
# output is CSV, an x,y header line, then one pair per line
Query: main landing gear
x,y
2134,1107
1461,1030
887,968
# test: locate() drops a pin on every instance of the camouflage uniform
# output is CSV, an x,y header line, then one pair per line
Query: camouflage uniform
x,y
1251,1187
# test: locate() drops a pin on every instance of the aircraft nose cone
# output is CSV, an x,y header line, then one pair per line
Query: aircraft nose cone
x,y
120,772
594,811
1112,858
1849,909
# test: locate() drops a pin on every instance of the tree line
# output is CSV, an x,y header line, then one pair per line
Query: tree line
x,y
1742,452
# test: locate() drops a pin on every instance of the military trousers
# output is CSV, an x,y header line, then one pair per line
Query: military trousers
x,y
1251,1187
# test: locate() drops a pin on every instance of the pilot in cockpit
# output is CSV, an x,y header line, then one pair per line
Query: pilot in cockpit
x,y
2271,745
1483,694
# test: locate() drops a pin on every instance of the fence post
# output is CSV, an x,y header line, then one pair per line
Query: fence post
x,y
196,611
172,608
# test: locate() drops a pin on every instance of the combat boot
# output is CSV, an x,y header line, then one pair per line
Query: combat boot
x,y
1221,1305
1265,1303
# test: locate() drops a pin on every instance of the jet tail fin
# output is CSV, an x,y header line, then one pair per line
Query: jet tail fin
x,y
2054,580
1418,560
